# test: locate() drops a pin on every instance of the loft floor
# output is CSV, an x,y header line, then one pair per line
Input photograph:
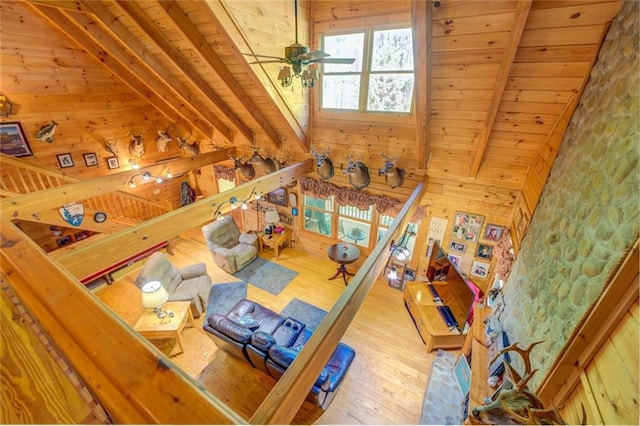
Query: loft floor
x,y
385,384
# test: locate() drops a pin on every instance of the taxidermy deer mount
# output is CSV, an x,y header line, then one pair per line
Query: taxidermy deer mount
x,y
392,175
358,173
163,139
324,164
136,145
190,148
517,406
245,168
268,165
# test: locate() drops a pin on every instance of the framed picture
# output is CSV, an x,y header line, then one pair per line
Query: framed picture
x,y
278,197
13,141
65,160
467,226
91,159
113,163
455,260
493,232
294,211
458,246
484,251
480,269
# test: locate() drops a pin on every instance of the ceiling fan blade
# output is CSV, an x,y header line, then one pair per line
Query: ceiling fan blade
x,y
313,56
337,60
273,61
264,56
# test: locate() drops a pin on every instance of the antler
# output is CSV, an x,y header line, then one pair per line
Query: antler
x,y
520,382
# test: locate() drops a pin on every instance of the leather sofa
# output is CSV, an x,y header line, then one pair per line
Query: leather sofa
x,y
231,249
270,342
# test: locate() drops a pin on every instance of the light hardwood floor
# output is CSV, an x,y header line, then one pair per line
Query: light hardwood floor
x,y
385,384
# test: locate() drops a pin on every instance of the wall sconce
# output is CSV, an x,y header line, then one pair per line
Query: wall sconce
x,y
146,176
6,106
134,164
235,203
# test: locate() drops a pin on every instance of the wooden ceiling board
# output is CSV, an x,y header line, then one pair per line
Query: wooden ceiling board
x,y
455,43
461,70
573,15
498,22
334,11
471,57
452,9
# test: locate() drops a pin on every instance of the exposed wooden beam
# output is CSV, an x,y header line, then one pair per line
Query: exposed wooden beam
x,y
112,248
124,34
209,56
517,29
173,55
233,35
52,217
282,403
421,11
119,366
79,27
33,203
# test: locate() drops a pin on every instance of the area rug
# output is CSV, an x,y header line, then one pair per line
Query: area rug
x,y
266,275
442,403
310,315
224,296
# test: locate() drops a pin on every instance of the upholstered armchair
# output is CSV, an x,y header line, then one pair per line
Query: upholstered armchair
x,y
191,283
231,249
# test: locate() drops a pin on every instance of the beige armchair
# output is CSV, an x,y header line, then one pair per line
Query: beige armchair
x,y
231,249
191,283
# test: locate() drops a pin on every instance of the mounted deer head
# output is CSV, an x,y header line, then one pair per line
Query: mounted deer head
x,y
192,149
392,175
266,164
324,164
112,147
246,169
163,139
136,145
517,405
358,173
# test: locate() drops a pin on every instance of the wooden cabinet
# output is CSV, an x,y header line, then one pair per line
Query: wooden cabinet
x,y
430,325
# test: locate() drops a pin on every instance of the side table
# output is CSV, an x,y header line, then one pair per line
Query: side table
x,y
152,327
275,241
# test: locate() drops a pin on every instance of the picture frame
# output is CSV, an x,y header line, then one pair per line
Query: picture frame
x,y
90,159
493,232
13,141
467,226
462,372
112,163
65,160
484,251
455,260
278,197
458,246
480,269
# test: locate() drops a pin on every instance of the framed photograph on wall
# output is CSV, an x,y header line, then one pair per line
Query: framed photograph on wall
x,y
458,246
112,162
90,159
13,142
493,232
480,269
278,197
65,160
484,251
455,260
467,226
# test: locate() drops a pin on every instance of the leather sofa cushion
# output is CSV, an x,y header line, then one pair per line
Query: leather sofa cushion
x,y
283,357
262,341
230,328
339,364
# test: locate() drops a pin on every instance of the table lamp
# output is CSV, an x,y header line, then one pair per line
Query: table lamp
x,y
153,296
271,217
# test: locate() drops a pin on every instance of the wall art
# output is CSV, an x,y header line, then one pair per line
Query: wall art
x,y
90,159
493,232
467,226
112,162
65,160
484,251
458,246
278,197
13,141
480,269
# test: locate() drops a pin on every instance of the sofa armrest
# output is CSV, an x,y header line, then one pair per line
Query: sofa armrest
x,y
223,252
250,239
183,294
194,271
229,328
283,357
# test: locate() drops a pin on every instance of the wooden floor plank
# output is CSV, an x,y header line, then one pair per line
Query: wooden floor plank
x,y
385,384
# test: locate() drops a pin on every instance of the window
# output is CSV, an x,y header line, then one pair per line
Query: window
x,y
318,215
380,79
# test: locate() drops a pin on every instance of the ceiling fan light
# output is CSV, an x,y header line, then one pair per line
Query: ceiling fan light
x,y
285,76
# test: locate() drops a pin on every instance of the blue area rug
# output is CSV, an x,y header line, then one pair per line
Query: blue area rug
x,y
266,275
310,315
224,296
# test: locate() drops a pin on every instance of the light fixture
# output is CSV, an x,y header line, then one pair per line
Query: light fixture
x,y
146,176
271,217
154,295
134,164
6,106
308,77
234,204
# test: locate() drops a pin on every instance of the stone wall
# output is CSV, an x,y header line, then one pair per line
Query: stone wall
x,y
588,215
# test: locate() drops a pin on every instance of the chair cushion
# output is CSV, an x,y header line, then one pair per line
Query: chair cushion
x,y
338,365
230,328
283,357
262,340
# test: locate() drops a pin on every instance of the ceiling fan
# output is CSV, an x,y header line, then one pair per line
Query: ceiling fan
x,y
298,56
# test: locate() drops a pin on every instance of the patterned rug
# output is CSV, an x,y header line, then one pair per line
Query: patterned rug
x,y
224,296
266,275
442,403
309,315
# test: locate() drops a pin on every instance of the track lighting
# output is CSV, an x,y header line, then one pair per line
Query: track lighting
x,y
146,176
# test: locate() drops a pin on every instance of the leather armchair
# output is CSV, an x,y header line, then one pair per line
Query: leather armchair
x,y
191,283
231,249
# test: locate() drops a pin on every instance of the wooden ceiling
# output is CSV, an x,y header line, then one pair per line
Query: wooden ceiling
x,y
495,80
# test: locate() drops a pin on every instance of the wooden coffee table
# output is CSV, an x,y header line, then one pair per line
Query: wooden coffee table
x,y
152,327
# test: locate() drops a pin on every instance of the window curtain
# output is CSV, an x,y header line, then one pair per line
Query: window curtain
x,y
224,172
350,197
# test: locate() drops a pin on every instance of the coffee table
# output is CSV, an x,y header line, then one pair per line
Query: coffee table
x,y
152,327
343,253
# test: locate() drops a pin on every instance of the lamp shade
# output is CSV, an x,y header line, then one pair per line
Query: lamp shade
x,y
154,294
271,216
